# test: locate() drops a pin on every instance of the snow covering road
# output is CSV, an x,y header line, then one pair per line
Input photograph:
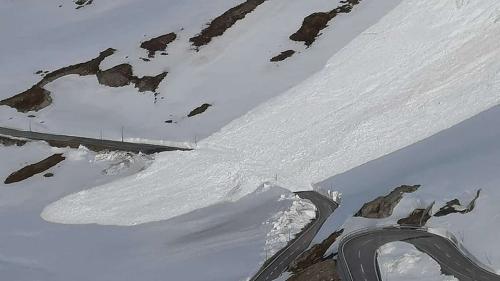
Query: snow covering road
x,y
424,67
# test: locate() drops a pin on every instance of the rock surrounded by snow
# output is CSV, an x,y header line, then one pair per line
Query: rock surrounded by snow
x,y
423,68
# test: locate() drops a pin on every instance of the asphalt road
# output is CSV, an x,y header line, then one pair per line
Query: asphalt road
x,y
278,263
358,254
92,144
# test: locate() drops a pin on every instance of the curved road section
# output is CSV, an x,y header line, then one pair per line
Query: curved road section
x,y
278,263
357,254
92,144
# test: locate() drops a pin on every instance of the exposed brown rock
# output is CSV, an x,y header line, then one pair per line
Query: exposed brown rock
x,y
159,43
383,206
199,110
283,56
314,23
223,22
454,206
34,169
37,97
418,217
33,99
314,254
117,76
322,271
149,83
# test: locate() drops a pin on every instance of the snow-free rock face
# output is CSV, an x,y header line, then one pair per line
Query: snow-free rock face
x,y
383,206
399,83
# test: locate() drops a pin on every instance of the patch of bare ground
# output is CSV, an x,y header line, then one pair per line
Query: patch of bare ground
x,y
199,110
382,206
219,25
10,142
37,97
159,43
314,23
323,271
34,169
283,56
313,255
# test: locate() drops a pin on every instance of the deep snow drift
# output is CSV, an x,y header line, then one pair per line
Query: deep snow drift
x,y
424,67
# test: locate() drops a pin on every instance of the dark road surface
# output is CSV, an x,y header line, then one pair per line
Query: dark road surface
x,y
358,254
92,144
280,261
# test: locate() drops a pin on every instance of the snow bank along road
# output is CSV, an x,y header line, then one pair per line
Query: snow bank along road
x,y
358,254
93,144
280,261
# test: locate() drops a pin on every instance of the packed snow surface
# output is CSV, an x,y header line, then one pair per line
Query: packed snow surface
x,y
424,67
402,261
287,223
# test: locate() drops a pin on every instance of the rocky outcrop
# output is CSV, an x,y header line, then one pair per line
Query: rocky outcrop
x,y
149,83
117,76
322,271
199,110
417,218
283,56
223,22
454,206
34,169
37,97
313,255
33,99
314,23
383,206
159,43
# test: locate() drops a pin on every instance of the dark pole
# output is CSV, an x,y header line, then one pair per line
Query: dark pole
x,y
122,133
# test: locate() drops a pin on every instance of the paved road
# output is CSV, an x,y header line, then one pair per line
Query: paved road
x,y
358,254
280,261
93,144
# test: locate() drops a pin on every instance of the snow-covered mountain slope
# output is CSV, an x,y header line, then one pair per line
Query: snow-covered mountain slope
x,y
424,67
232,73
208,239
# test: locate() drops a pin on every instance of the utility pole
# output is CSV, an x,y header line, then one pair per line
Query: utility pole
x,y
122,133
30,124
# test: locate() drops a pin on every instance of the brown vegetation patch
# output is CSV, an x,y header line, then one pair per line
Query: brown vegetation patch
x,y
34,169
223,22
283,56
199,110
159,43
383,206
314,23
